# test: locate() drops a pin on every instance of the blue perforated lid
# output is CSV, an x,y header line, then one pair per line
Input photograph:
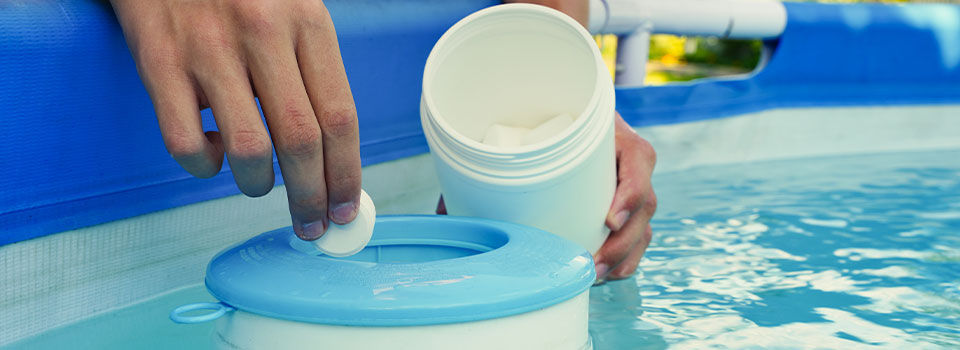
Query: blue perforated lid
x,y
417,270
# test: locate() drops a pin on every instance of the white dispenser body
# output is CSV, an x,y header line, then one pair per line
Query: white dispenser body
x,y
521,66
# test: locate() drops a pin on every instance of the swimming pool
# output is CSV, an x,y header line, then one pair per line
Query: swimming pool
x,y
838,252
811,204
829,252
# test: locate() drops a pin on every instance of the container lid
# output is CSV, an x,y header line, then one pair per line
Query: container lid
x,y
417,270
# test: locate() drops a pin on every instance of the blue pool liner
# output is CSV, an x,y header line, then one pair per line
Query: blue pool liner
x,y
81,144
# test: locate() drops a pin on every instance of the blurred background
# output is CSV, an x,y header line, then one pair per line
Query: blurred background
x,y
684,58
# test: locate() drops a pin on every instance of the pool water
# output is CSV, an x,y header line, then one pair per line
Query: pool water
x,y
841,252
844,252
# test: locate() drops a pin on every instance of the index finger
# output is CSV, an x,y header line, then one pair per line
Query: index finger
x,y
318,55
294,129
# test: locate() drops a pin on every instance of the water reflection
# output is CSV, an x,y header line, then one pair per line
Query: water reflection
x,y
615,318
854,252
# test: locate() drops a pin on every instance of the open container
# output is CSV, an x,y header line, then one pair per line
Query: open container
x,y
520,65
423,282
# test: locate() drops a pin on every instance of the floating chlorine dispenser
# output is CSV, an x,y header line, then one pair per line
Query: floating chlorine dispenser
x,y
422,282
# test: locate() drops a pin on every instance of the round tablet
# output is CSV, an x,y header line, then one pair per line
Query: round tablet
x,y
346,240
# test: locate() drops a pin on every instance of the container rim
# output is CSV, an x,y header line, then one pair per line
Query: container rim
x,y
437,53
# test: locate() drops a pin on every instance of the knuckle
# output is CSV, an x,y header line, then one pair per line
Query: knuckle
x,y
635,192
249,145
162,58
181,145
307,204
620,251
631,192
315,14
338,122
300,142
257,17
211,37
646,150
345,185
649,204
646,236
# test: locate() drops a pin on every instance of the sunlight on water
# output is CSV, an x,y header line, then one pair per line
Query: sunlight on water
x,y
847,252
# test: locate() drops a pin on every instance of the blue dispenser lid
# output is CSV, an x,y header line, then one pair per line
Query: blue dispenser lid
x,y
417,270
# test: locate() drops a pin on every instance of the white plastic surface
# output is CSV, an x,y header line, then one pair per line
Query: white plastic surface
x,y
724,18
523,65
520,72
572,205
562,326
346,240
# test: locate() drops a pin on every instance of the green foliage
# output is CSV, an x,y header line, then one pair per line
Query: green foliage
x,y
725,52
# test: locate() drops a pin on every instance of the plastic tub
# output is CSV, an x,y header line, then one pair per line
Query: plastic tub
x,y
520,65
423,282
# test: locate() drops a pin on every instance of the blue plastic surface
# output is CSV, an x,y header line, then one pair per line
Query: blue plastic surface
x,y
178,315
80,143
828,55
81,146
417,270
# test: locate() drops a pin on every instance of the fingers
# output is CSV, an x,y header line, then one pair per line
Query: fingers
x,y
178,115
227,88
618,246
633,206
293,124
629,264
626,200
224,53
635,161
326,82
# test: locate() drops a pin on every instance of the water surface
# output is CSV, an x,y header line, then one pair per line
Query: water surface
x,y
843,252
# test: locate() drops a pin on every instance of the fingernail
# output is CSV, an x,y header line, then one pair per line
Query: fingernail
x,y
620,219
309,231
343,213
602,270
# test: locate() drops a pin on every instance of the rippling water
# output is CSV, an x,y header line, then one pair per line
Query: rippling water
x,y
845,252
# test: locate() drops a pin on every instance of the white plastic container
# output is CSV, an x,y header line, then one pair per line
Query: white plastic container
x,y
561,326
520,65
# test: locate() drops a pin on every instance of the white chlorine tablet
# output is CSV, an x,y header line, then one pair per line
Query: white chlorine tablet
x,y
504,136
545,130
346,240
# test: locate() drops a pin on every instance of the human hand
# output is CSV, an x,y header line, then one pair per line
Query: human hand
x,y
633,205
220,54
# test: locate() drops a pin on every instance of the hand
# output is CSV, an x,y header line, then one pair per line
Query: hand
x,y
194,54
633,205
